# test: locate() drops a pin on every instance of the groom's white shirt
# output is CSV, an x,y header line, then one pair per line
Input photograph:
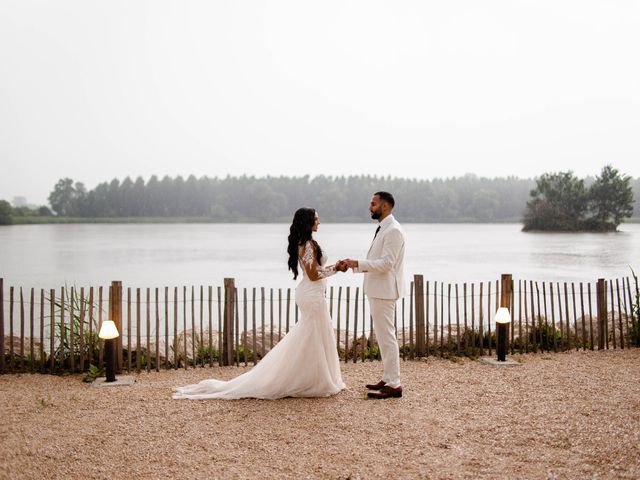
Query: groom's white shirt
x,y
384,266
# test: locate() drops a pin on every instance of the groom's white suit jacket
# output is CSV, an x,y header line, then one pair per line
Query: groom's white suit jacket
x,y
384,266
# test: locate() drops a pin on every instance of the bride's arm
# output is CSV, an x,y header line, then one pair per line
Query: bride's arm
x,y
313,270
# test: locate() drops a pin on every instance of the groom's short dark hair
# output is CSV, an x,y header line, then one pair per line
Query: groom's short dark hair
x,y
386,197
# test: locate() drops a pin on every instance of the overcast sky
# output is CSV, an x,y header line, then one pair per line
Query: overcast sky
x,y
95,90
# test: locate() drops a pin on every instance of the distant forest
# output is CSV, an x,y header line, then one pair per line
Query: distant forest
x,y
274,199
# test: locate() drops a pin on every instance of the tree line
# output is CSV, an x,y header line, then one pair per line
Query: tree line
x,y
267,199
469,198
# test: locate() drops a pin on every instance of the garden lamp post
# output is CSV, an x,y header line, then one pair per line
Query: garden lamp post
x,y
109,333
502,321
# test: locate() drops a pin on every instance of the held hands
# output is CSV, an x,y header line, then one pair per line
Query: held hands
x,y
343,265
351,263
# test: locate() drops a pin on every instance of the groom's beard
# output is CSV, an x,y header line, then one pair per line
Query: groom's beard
x,y
376,215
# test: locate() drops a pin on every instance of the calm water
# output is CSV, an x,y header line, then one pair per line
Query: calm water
x,y
49,256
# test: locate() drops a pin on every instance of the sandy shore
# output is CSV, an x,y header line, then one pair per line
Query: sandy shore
x,y
565,415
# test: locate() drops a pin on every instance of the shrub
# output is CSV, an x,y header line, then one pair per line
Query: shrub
x,y
204,354
65,348
542,336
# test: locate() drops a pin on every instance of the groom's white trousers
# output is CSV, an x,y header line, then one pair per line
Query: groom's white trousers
x,y
382,313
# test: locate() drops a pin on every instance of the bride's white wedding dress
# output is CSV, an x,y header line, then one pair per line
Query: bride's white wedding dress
x,y
303,364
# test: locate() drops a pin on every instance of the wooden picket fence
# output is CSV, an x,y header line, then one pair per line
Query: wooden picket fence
x,y
56,331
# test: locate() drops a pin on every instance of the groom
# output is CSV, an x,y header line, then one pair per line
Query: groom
x,y
384,284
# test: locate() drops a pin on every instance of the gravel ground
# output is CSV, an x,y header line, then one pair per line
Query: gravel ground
x,y
565,415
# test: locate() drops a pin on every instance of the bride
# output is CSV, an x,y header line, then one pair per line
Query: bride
x,y
305,362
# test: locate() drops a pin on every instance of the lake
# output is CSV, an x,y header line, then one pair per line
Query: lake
x,y
158,255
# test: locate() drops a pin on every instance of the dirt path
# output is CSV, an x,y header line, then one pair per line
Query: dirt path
x,y
566,415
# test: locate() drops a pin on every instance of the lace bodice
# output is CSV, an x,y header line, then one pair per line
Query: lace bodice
x,y
314,271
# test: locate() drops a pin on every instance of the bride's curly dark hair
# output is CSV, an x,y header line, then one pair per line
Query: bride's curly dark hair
x,y
300,233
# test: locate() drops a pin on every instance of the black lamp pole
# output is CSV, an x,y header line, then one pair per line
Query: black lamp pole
x,y
503,329
110,359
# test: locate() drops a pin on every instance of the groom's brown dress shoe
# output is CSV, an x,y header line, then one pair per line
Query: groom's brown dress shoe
x,y
386,392
375,386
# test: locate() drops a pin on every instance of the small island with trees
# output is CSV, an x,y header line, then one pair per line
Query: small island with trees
x,y
563,203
